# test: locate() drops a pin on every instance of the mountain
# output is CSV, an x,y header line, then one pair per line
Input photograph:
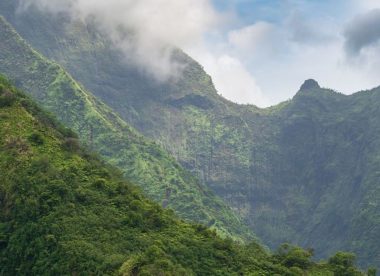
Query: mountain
x,y
65,212
303,171
141,160
322,149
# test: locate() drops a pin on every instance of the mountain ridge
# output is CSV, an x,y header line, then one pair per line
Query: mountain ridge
x,y
140,159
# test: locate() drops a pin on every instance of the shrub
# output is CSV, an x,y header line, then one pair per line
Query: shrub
x,y
372,271
293,256
36,139
68,133
71,144
100,184
7,98
344,259
343,264
16,144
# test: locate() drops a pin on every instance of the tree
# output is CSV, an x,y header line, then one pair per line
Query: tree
x,y
343,264
293,256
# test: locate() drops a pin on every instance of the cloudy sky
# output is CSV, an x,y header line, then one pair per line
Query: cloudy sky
x,y
264,50
257,51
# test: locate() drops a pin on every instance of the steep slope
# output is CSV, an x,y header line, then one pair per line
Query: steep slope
x,y
326,172
304,171
99,128
187,117
63,212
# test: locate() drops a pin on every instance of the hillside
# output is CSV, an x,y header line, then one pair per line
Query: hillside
x,y
63,211
322,148
305,171
141,160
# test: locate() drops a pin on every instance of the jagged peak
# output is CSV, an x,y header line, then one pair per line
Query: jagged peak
x,y
309,84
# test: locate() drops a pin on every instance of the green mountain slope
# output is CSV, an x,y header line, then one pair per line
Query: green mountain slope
x,y
64,212
142,161
304,171
326,162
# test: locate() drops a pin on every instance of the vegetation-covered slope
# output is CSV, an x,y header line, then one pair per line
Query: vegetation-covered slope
x,y
324,186
142,161
64,212
304,171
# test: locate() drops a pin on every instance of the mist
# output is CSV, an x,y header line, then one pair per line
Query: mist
x,y
251,59
147,31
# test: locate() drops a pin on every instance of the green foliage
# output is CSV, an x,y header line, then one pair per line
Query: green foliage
x,y
64,212
343,264
343,259
71,144
292,256
36,139
100,129
372,271
6,98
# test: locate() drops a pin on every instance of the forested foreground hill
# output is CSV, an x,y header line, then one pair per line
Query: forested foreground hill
x,y
63,211
140,159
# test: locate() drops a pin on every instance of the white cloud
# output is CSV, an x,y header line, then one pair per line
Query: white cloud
x,y
250,38
233,80
367,4
244,62
222,59
146,30
282,55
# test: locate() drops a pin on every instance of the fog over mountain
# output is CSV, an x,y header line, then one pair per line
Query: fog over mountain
x,y
146,31
243,45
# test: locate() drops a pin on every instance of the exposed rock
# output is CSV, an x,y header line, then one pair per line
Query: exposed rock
x,y
309,84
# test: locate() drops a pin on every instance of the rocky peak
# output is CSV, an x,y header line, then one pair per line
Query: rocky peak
x,y
309,84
